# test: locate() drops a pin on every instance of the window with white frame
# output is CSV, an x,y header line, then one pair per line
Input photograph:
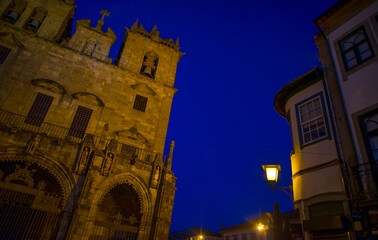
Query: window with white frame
x,y
311,120
355,48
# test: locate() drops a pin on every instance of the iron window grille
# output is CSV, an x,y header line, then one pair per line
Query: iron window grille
x,y
128,150
311,120
355,49
80,122
140,103
4,51
38,111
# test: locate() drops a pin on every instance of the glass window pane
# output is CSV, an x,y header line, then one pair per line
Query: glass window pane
x,y
372,123
309,106
346,45
366,55
349,55
314,135
318,111
307,137
302,109
351,63
304,118
322,131
306,128
313,125
359,37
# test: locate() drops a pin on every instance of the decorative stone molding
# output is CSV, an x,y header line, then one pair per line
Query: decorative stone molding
x,y
88,97
49,85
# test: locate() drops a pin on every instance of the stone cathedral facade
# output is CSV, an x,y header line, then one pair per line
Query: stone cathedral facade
x,y
82,135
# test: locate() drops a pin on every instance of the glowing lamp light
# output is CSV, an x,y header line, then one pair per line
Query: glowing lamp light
x,y
272,172
260,226
201,237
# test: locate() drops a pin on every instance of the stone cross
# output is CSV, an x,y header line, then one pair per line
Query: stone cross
x,y
104,13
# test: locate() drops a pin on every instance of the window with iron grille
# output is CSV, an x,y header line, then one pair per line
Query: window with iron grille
x,y
128,150
80,122
140,103
4,51
311,120
38,111
355,48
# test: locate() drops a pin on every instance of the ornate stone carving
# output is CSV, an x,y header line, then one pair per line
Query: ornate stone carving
x,y
107,164
22,174
33,144
83,159
156,172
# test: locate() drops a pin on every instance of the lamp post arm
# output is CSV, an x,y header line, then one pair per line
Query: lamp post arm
x,y
288,190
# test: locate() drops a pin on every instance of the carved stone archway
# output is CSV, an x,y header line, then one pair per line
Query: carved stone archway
x,y
32,199
108,219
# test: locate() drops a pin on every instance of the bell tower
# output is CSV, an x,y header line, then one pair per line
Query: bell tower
x,y
48,19
148,55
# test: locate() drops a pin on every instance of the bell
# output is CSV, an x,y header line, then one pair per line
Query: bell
x,y
147,71
34,25
11,17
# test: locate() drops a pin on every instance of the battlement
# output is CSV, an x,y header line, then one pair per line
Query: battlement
x,y
154,35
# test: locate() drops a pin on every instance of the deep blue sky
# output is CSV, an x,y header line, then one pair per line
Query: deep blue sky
x,y
239,53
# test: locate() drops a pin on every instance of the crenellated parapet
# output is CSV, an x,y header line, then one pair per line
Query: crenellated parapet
x,y
154,35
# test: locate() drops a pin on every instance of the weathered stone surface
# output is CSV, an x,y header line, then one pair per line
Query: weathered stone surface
x,y
77,72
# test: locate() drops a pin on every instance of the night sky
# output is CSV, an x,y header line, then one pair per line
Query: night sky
x,y
238,55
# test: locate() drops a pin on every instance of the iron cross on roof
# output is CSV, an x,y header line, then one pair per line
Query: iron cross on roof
x,y
104,13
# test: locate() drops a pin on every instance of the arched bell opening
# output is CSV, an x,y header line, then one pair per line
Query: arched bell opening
x,y
119,214
31,201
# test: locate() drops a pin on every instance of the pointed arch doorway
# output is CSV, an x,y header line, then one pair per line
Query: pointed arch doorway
x,y
31,201
119,214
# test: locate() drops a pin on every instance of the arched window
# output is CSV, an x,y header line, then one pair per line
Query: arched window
x,y
149,65
35,20
14,11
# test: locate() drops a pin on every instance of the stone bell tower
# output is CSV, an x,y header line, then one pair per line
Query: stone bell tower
x,y
82,135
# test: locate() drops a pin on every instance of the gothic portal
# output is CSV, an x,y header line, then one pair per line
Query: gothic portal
x,y
82,135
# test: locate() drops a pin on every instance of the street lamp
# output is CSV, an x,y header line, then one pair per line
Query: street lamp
x,y
260,226
272,178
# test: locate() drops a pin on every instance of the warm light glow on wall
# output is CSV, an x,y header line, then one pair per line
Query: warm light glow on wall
x,y
260,226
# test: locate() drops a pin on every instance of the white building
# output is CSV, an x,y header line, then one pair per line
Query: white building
x,y
333,116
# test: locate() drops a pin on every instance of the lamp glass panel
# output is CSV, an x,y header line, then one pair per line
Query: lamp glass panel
x,y
272,174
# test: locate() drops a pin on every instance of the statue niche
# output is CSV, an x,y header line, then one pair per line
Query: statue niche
x,y
83,159
108,160
90,47
85,152
35,20
149,65
14,11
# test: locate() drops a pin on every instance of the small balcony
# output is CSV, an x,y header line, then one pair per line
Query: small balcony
x,y
12,123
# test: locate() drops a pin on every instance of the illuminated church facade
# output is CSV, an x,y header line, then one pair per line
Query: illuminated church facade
x,y
82,135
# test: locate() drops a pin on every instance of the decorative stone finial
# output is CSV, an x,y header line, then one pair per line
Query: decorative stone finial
x,y
100,22
170,156
154,29
135,25
177,42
